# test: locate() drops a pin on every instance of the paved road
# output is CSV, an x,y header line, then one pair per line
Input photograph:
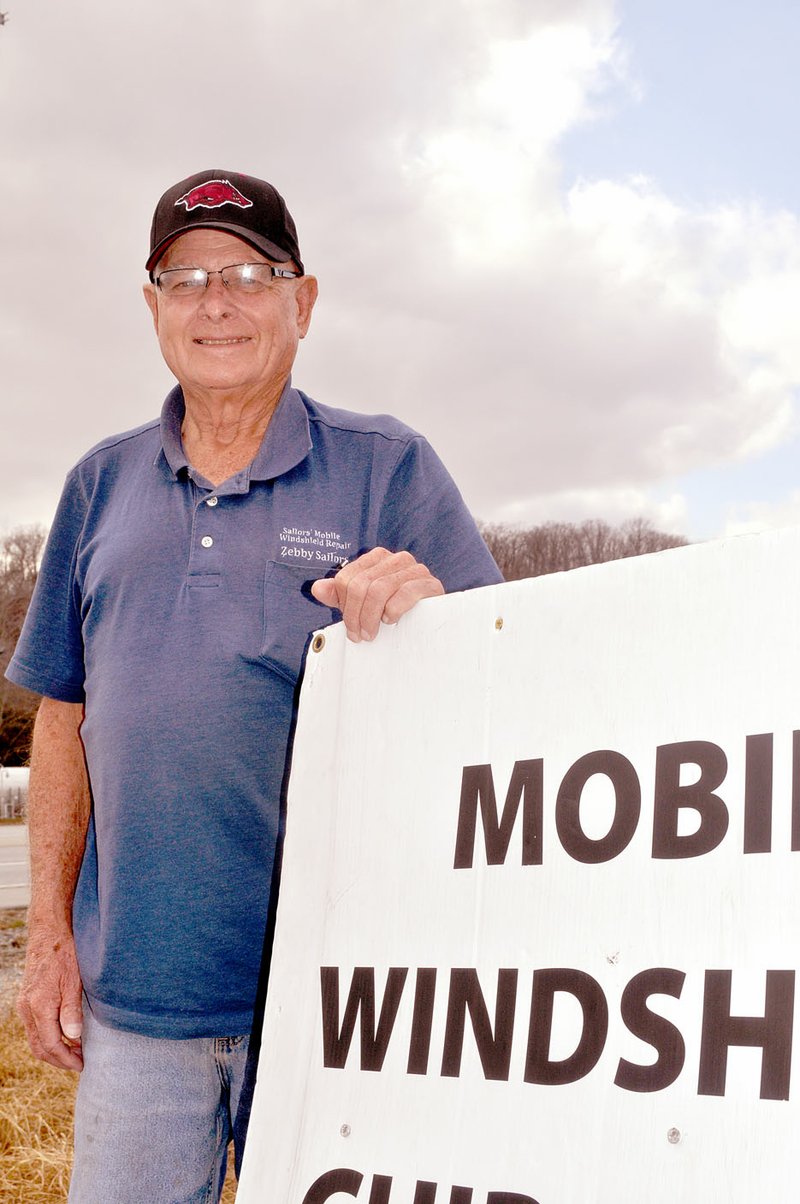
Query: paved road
x,y
14,890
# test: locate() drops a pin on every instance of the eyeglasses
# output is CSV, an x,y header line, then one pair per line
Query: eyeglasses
x,y
242,278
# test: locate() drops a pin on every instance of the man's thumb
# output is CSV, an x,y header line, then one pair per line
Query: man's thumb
x,y
325,591
71,1020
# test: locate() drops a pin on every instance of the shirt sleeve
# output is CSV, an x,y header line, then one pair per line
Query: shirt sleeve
x,y
424,513
49,654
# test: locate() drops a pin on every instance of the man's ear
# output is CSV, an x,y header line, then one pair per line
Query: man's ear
x,y
150,297
305,296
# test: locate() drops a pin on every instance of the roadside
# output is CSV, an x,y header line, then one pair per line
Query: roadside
x,y
14,873
13,935
12,938
12,832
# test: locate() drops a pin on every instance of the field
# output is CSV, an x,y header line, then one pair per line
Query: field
x,y
35,1099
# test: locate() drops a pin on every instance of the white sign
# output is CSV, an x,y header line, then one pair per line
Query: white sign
x,y
539,921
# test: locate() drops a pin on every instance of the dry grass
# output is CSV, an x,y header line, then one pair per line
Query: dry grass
x,y
35,1101
35,1120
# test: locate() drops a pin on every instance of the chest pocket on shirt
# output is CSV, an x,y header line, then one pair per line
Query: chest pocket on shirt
x,y
290,614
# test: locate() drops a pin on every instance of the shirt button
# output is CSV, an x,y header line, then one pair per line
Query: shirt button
x,y
211,501
207,541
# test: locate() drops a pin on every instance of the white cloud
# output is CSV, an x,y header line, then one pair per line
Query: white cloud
x,y
565,344
615,506
747,518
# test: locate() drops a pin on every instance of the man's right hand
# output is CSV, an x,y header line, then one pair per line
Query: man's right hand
x,y
49,1001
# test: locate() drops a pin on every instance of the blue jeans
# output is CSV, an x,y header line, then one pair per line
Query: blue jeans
x,y
153,1117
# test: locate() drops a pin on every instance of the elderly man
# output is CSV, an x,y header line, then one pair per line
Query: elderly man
x,y
188,562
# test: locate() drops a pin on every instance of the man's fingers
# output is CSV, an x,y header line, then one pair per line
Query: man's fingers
x,y
49,1001
384,598
377,587
58,1052
333,591
46,1038
409,594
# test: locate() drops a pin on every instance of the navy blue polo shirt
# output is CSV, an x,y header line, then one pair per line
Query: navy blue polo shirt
x,y
179,613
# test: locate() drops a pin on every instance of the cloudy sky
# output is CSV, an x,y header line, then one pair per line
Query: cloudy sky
x,y
560,237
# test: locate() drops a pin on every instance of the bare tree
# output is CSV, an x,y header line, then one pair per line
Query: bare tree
x,y
20,554
557,546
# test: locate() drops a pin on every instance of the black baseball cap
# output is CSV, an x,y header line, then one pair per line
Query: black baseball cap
x,y
225,200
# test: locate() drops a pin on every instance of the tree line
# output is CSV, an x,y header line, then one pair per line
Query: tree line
x,y
20,554
519,551
557,546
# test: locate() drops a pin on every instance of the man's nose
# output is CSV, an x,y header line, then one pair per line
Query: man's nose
x,y
216,299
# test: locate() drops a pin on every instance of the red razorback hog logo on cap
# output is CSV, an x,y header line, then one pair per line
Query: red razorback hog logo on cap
x,y
212,195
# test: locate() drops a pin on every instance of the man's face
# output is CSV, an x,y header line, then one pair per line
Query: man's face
x,y
222,340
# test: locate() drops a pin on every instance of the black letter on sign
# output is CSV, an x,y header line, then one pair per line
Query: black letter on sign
x,y
331,1183
425,1193
795,792
381,1189
626,817
477,786
758,794
671,797
772,1031
654,1029
461,1195
335,1044
494,1048
589,994
508,1197
420,1044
